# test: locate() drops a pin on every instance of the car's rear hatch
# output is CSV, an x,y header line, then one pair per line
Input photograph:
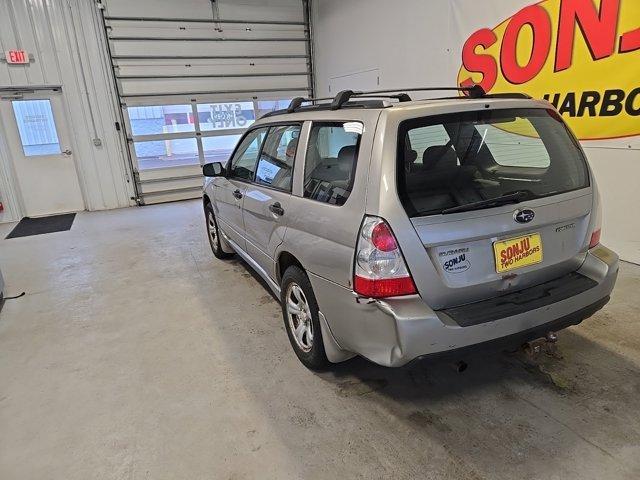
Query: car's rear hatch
x,y
500,201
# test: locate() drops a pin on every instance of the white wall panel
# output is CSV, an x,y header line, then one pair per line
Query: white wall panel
x,y
224,66
148,176
23,25
63,38
185,85
257,10
409,46
187,30
278,10
183,183
219,48
618,174
159,8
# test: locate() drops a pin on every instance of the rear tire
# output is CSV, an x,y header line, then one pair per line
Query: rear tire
x,y
301,320
213,233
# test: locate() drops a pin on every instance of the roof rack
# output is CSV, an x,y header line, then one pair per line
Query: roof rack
x,y
474,91
508,95
344,97
327,106
298,101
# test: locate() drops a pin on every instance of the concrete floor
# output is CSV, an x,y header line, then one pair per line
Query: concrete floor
x,y
135,354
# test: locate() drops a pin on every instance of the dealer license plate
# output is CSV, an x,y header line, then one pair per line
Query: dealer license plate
x,y
517,252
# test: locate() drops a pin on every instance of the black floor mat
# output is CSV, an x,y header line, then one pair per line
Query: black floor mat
x,y
37,226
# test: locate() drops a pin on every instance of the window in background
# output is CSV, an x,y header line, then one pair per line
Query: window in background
x,y
331,160
37,127
225,116
275,167
219,148
167,153
266,106
154,120
509,147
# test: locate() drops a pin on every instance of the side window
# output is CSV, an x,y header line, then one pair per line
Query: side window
x,y
243,163
275,167
330,162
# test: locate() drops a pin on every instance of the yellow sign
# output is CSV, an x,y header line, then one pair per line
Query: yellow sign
x,y
581,55
518,252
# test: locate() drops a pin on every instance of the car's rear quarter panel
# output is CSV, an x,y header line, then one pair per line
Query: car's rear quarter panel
x,y
323,236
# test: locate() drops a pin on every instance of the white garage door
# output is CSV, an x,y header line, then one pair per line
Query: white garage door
x,y
192,75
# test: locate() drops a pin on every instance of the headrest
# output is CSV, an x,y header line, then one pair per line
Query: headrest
x,y
439,156
410,156
346,157
291,147
347,154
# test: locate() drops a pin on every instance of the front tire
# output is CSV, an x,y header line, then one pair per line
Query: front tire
x,y
300,312
213,233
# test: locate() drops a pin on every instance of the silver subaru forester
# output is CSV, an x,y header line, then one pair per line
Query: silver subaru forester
x,y
395,229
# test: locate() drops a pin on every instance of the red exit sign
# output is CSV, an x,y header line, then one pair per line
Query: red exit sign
x,y
17,57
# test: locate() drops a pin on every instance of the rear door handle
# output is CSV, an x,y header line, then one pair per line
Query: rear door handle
x,y
237,193
276,208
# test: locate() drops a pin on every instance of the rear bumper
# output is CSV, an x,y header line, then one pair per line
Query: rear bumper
x,y
525,336
398,330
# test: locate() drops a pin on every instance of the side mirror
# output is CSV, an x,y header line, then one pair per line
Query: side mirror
x,y
214,169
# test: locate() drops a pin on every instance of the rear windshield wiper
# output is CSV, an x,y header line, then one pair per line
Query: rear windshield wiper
x,y
513,197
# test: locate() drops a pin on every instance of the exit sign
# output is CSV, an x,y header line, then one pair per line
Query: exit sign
x,y
17,57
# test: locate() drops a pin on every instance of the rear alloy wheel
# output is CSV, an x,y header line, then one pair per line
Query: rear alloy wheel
x,y
214,234
301,320
299,316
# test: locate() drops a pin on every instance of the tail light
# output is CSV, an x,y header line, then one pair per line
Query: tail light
x,y
380,270
597,225
595,238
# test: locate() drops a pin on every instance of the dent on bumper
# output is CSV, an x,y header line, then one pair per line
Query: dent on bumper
x,y
395,331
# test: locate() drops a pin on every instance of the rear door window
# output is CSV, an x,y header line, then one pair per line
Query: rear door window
x,y
275,167
330,162
453,160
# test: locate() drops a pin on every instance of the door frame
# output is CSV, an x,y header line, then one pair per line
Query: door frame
x,y
8,176
12,200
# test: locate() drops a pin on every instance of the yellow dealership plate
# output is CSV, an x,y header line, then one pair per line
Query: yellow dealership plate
x,y
518,252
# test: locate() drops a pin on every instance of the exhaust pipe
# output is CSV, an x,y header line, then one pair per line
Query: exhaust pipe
x,y
459,366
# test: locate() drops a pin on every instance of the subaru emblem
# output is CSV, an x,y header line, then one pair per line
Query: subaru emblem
x,y
523,216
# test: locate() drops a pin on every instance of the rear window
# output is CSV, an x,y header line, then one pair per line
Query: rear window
x,y
453,160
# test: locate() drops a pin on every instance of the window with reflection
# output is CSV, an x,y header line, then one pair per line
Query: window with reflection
x,y
243,164
275,167
330,163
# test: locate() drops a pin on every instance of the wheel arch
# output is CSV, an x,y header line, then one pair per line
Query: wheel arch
x,y
333,350
285,260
